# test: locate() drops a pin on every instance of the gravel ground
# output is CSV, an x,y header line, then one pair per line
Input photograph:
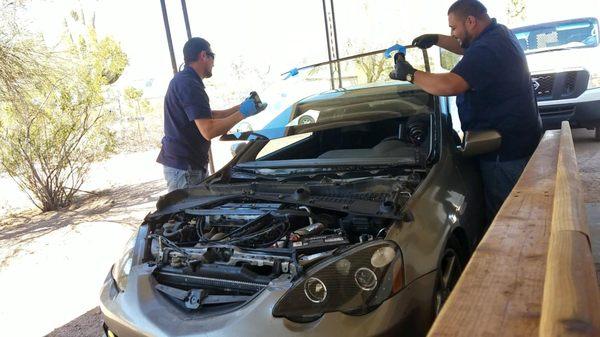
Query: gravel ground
x,y
52,264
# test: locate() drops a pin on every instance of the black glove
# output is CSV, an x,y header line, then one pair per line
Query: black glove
x,y
403,71
425,41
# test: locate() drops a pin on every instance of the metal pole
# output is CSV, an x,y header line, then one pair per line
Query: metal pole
x,y
169,39
335,39
211,164
328,45
186,19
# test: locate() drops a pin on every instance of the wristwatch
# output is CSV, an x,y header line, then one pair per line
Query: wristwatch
x,y
411,76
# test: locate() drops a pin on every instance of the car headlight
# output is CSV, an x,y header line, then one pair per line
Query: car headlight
x,y
120,270
594,81
355,282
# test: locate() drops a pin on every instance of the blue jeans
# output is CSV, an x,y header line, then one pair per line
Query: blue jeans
x,y
178,179
499,178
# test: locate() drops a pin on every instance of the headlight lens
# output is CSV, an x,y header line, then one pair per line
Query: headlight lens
x,y
355,282
594,80
120,270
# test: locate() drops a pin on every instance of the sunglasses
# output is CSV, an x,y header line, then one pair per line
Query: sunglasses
x,y
210,54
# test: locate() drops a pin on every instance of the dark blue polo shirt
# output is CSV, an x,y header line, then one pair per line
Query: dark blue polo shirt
x,y
183,147
501,94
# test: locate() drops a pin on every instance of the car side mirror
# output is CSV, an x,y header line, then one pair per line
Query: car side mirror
x,y
480,142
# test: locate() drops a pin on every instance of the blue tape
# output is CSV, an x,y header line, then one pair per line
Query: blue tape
x,y
293,72
400,49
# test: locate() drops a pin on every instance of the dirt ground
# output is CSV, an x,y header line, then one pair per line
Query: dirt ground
x,y
52,265
588,161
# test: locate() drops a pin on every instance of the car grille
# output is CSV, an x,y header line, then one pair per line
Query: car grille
x,y
561,85
544,84
560,110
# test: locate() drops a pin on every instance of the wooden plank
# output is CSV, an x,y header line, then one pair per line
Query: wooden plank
x,y
500,292
571,302
571,305
568,194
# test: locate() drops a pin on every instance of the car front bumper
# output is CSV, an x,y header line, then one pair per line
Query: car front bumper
x,y
581,112
141,311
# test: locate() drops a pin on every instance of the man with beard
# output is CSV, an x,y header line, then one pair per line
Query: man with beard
x,y
190,123
493,88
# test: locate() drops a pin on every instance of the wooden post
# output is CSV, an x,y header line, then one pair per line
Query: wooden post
x,y
532,273
571,302
500,291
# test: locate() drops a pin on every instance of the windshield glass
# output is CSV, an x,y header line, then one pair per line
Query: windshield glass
x,y
558,35
342,107
367,127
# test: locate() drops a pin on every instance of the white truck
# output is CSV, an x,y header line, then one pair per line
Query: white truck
x,y
564,60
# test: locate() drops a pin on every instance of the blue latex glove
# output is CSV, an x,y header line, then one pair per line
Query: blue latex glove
x,y
248,108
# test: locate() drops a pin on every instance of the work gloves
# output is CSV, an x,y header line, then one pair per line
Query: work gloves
x,y
403,71
252,105
425,41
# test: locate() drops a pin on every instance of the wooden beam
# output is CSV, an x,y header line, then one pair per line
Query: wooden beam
x,y
500,292
571,302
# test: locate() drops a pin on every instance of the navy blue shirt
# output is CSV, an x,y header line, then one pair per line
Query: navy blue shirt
x,y
183,146
501,93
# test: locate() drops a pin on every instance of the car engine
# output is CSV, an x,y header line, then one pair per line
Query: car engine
x,y
227,252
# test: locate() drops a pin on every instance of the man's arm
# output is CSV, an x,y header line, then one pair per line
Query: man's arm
x,y
450,44
447,84
211,128
218,114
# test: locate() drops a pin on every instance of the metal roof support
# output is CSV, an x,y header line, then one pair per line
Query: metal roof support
x,y
169,39
328,45
174,62
332,44
335,39
186,19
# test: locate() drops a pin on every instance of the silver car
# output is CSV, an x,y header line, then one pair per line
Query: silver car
x,y
356,224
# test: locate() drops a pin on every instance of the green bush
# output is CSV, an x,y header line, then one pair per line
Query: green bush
x,y
52,131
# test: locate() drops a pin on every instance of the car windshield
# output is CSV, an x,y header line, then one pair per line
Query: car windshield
x,y
342,107
374,126
558,35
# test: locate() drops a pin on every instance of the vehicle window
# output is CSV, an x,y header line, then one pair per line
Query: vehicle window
x,y
374,125
405,139
565,34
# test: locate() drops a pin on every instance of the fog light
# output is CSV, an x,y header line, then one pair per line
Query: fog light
x,y
315,290
365,279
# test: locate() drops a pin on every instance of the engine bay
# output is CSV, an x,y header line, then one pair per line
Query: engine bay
x,y
227,252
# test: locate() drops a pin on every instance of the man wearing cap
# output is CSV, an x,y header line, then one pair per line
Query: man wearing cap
x,y
493,88
189,122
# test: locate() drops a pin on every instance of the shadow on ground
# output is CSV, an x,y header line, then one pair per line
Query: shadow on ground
x,y
86,325
26,226
120,204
